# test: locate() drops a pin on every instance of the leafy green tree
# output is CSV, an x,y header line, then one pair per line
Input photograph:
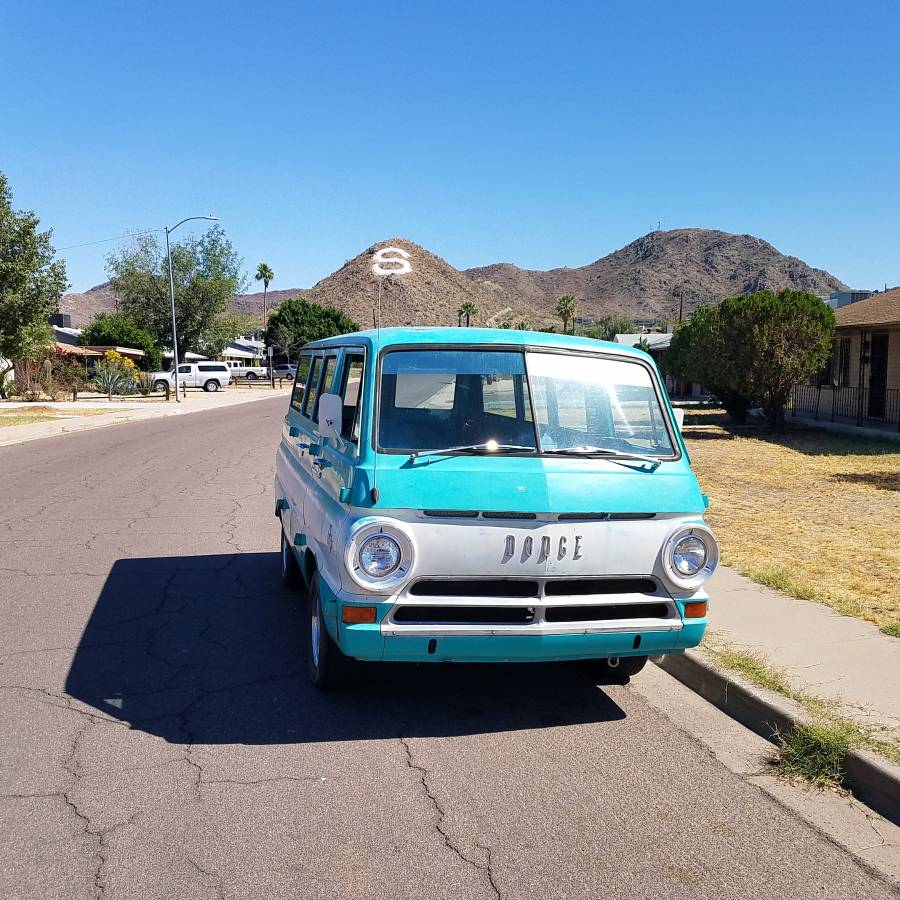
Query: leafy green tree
x,y
222,331
265,274
643,344
115,329
792,333
566,307
31,283
298,321
607,327
752,350
467,309
207,274
700,352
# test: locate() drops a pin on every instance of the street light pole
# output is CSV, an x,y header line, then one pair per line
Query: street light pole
x,y
172,293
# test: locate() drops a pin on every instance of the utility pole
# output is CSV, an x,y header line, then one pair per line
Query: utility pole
x,y
172,294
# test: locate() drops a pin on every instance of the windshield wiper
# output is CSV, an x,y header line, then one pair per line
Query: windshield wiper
x,y
487,447
619,456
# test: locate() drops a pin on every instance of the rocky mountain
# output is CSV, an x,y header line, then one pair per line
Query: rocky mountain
x,y
647,279
430,293
650,277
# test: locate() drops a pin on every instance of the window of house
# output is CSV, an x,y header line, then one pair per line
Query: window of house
x,y
843,362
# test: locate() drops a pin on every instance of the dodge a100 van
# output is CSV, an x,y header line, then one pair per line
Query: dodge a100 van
x,y
463,494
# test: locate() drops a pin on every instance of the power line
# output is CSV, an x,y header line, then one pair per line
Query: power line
x,y
107,240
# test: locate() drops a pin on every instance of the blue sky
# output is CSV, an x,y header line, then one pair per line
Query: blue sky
x,y
536,133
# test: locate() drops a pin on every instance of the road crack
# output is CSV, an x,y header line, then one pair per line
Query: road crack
x,y
485,868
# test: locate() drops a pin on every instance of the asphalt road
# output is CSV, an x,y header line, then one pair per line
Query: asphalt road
x,y
159,738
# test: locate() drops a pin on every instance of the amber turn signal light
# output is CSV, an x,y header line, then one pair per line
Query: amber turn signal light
x,y
696,610
358,615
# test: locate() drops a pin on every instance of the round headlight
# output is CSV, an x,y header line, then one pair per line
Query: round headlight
x,y
689,555
379,556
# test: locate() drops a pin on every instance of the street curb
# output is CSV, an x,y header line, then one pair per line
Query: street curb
x,y
872,779
120,416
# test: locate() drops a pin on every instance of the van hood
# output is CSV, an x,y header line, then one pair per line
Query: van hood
x,y
535,485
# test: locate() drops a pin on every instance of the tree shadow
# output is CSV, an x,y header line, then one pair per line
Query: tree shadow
x,y
884,481
808,441
210,649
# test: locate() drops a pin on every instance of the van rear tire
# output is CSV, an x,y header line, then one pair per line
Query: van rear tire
x,y
251,376
328,667
159,386
211,386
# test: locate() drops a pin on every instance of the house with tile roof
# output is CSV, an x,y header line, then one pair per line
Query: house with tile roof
x,y
861,384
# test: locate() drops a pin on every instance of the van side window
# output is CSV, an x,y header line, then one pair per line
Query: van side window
x,y
352,393
312,390
300,383
325,384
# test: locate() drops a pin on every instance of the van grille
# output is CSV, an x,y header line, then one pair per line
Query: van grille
x,y
464,615
606,613
481,587
579,587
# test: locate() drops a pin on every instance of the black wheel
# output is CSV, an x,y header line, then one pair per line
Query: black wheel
x,y
328,667
621,666
159,386
290,568
212,386
251,376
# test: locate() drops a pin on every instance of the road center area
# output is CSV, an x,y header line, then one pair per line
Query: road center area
x,y
161,738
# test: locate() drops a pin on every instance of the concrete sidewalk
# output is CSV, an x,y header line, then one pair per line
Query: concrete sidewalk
x,y
831,655
124,411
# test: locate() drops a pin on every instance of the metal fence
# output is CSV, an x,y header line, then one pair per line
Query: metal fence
x,y
848,405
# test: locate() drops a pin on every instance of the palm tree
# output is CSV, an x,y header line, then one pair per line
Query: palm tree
x,y
467,309
565,309
265,274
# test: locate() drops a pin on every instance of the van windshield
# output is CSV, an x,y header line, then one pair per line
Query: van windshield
x,y
541,402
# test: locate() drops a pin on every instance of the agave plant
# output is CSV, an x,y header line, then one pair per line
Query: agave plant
x,y
112,380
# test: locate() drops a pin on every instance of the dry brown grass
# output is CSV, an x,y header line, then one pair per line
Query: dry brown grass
x,y
811,513
28,415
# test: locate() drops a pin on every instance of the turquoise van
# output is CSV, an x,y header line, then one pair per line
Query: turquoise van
x,y
478,495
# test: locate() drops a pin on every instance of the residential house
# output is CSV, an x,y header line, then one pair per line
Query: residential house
x,y
861,383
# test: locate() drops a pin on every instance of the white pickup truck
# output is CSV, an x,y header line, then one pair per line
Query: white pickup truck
x,y
239,369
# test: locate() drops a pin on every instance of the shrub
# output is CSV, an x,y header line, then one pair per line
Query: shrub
x,y
115,374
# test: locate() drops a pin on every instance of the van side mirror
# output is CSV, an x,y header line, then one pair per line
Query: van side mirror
x,y
679,418
331,408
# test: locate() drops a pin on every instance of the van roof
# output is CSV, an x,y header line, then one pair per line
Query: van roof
x,y
378,339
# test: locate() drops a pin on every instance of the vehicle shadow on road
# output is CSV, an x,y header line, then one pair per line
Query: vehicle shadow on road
x,y
210,649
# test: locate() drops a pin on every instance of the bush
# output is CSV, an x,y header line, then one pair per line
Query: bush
x,y
115,374
753,350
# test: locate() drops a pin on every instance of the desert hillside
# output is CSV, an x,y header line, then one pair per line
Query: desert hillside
x,y
648,279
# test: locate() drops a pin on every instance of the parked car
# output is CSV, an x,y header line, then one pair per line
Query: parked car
x,y
284,370
239,369
209,375
477,495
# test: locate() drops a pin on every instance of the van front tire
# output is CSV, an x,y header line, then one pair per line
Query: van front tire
x,y
328,667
